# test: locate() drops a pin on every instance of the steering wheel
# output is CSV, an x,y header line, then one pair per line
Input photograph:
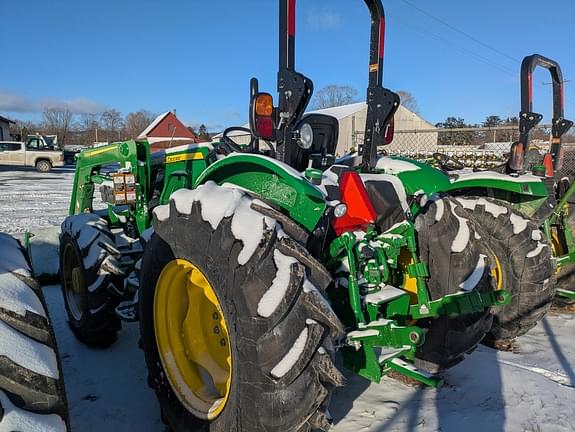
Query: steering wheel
x,y
447,163
233,146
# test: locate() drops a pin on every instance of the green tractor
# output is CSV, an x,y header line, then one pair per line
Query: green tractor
x,y
521,210
248,267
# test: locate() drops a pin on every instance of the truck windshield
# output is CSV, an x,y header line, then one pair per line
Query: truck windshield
x,y
49,141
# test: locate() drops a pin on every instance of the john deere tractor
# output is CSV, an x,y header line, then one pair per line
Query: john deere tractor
x,y
521,210
249,266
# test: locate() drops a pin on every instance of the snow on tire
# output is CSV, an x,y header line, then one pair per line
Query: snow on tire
x,y
91,282
448,244
282,331
525,264
32,393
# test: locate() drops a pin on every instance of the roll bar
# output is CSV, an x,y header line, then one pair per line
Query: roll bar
x,y
295,89
529,119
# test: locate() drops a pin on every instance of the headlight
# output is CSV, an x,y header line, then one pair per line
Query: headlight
x,y
305,136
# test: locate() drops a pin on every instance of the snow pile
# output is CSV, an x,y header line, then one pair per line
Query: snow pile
x,y
473,279
218,203
28,353
278,289
385,294
519,223
470,204
15,419
462,238
439,207
535,252
293,355
13,259
16,296
394,166
491,175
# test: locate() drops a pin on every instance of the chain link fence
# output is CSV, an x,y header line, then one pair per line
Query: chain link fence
x,y
480,148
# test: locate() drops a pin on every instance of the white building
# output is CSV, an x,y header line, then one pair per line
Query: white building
x,y
411,131
5,129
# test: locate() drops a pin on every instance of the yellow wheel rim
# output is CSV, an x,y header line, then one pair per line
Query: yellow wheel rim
x,y
497,272
193,339
409,282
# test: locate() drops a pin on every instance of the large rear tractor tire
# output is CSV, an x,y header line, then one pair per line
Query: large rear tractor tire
x,y
90,283
448,244
524,265
235,328
32,393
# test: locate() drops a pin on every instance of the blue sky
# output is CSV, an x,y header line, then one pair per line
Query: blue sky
x,y
198,56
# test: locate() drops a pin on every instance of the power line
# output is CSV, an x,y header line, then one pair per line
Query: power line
x,y
473,38
456,47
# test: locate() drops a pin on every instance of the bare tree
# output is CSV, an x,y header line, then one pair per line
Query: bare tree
x,y
136,122
58,121
408,101
88,126
333,96
112,121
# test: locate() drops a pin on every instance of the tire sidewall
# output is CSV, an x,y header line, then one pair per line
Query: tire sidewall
x,y
221,280
76,324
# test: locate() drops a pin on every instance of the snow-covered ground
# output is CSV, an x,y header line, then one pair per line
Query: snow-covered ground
x,y
29,199
532,390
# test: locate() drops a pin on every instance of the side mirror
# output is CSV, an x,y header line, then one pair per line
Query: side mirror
x,y
262,124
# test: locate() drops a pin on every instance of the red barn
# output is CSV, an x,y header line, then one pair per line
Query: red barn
x,y
167,131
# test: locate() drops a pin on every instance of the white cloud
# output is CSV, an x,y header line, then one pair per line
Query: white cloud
x,y
14,102
323,19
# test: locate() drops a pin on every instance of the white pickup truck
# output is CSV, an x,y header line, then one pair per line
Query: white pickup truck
x,y
37,152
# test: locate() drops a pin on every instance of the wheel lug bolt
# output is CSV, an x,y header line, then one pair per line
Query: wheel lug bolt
x,y
216,330
216,316
222,342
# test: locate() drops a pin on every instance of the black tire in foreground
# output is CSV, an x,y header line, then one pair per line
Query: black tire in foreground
x,y
90,281
453,253
280,328
32,393
524,265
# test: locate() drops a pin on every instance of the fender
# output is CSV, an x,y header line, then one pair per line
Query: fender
x,y
527,184
273,181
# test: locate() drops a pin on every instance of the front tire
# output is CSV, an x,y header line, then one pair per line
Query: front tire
x,y
268,290
32,393
91,290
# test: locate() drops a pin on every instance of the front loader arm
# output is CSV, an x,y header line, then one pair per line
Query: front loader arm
x,y
89,164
